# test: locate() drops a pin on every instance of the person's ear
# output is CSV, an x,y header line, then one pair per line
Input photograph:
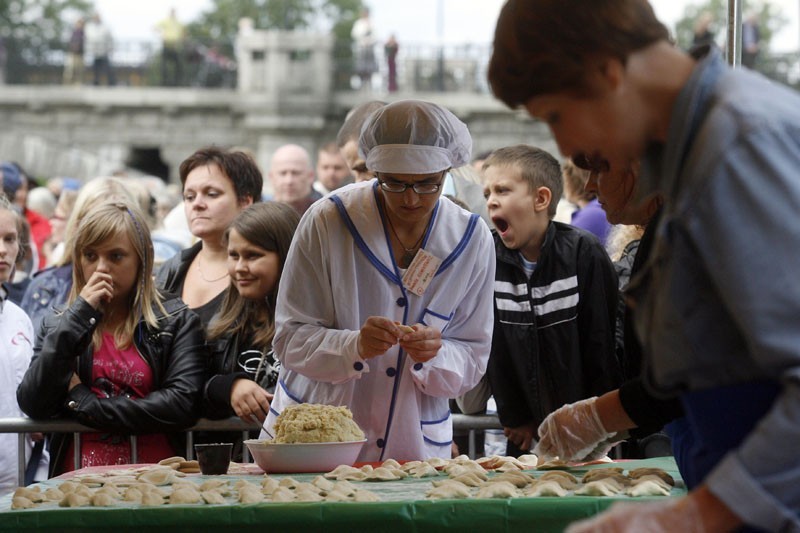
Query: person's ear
x,y
611,72
542,199
247,201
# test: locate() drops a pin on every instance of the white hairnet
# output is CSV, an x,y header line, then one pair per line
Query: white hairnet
x,y
414,137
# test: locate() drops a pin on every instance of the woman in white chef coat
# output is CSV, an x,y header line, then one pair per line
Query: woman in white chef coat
x,y
385,304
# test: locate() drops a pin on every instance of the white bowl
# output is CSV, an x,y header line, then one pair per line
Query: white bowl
x,y
303,457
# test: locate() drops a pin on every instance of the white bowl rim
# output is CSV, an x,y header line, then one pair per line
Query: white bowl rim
x,y
261,442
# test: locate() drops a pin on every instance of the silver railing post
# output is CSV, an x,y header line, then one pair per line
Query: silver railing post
x,y
245,449
21,459
734,44
190,445
134,449
76,451
472,445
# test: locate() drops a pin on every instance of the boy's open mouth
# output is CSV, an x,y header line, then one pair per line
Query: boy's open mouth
x,y
500,224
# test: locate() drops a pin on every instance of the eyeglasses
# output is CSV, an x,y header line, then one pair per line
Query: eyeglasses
x,y
591,164
419,188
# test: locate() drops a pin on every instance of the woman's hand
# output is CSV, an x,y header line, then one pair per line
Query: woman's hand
x,y
377,336
99,290
249,400
422,343
74,381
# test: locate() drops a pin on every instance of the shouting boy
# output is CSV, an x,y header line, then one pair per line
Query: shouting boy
x,y
555,298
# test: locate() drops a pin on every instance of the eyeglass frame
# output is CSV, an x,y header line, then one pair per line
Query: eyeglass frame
x,y
413,186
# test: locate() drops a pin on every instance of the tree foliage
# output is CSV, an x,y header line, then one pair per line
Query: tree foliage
x,y
32,29
771,20
219,24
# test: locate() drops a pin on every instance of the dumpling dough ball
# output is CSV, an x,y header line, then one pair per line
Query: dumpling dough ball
x,y
103,499
549,488
499,489
598,488
152,498
448,491
74,499
158,476
54,495
647,488
21,502
212,496
184,495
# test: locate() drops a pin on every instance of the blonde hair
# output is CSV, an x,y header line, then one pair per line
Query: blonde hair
x,y
67,201
95,192
104,223
575,180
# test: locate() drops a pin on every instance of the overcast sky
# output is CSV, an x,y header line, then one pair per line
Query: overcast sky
x,y
413,21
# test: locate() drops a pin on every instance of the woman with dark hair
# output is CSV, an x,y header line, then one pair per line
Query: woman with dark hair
x,y
217,185
244,369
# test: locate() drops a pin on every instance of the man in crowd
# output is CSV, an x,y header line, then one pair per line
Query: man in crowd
x,y
292,176
332,169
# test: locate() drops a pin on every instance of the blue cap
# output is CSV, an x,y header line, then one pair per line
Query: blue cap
x,y
11,178
71,184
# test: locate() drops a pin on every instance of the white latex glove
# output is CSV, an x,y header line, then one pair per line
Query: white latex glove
x,y
604,447
681,514
573,432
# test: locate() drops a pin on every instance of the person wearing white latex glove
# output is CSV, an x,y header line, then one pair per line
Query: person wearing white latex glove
x,y
699,512
584,430
572,431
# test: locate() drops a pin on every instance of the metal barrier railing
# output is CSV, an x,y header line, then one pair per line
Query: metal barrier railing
x,y
23,426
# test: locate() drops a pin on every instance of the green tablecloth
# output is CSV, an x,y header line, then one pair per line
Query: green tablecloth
x,y
403,509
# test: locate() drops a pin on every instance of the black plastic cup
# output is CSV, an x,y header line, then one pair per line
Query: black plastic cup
x,y
214,458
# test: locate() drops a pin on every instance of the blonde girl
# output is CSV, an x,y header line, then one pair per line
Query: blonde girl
x,y
120,358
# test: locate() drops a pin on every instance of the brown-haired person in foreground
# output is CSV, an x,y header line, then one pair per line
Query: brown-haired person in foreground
x,y
716,306
119,358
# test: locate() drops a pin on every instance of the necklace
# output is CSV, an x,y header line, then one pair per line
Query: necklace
x,y
200,270
409,253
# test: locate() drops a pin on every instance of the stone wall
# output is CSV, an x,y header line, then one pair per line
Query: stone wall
x,y
284,95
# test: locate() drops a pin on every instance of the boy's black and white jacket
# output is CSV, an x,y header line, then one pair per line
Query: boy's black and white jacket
x,y
553,339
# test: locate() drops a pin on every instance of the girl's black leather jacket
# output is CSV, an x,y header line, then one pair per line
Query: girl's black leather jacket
x,y
175,351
